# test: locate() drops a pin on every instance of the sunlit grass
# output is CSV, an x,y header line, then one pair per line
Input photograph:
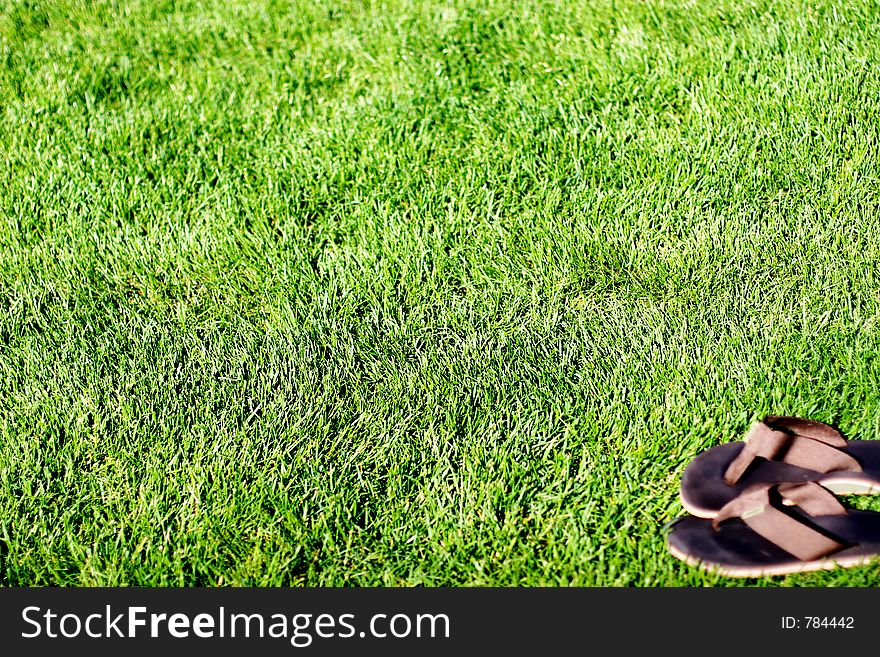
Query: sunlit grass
x,y
412,293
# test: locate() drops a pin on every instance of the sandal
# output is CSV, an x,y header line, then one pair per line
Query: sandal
x,y
776,529
779,450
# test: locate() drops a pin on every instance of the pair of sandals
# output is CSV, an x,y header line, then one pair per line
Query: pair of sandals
x,y
768,505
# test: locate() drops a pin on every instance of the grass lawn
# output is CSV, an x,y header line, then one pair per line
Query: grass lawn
x,y
419,293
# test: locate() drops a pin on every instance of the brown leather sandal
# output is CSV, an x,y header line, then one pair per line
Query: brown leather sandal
x,y
776,529
779,450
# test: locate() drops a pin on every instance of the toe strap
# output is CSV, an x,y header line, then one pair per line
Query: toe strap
x,y
761,507
804,443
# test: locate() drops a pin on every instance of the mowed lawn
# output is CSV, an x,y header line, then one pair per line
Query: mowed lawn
x,y
419,293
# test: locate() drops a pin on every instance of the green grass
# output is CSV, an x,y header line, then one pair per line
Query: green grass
x,y
419,293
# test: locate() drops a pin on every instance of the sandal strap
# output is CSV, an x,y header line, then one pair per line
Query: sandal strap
x,y
807,428
796,441
759,507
